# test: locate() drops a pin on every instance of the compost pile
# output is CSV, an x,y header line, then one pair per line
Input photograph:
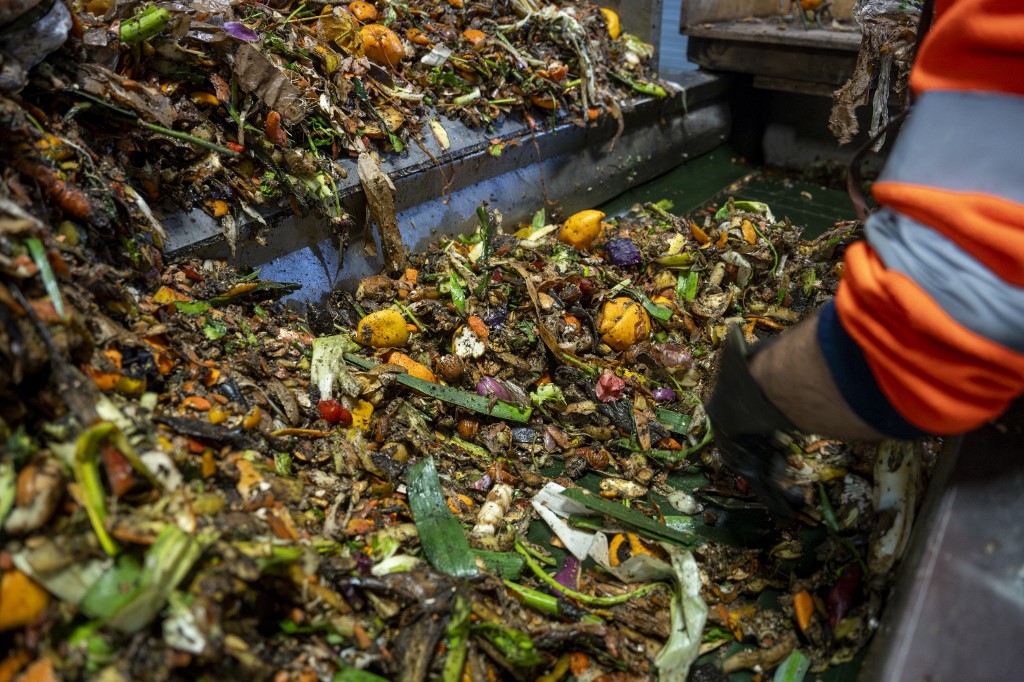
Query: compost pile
x,y
195,482
493,464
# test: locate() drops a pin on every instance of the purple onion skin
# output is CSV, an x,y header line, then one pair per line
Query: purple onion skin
x,y
237,29
484,483
363,563
496,318
623,252
671,355
489,386
568,576
663,395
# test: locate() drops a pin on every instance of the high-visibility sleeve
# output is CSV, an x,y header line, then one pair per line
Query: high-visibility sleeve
x,y
974,45
934,300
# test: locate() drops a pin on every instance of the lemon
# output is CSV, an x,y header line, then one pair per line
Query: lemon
x,y
612,19
383,329
581,229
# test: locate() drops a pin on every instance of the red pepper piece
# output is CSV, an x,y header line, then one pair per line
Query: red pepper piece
x,y
840,597
333,413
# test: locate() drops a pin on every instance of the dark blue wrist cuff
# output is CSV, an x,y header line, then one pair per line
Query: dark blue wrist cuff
x,y
852,374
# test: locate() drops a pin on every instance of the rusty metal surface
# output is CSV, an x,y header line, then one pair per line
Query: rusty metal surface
x,y
567,167
957,611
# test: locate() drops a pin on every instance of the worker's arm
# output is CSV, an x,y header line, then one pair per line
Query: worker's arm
x,y
926,333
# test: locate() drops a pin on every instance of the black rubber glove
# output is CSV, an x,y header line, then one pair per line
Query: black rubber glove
x,y
744,422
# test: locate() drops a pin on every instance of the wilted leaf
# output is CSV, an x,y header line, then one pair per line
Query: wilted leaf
x,y
380,198
257,75
440,532
688,613
166,563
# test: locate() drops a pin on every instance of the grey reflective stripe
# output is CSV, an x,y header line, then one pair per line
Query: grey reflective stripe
x,y
960,284
962,141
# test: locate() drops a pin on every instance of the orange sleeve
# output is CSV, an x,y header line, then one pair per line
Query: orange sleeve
x,y
935,299
939,376
974,45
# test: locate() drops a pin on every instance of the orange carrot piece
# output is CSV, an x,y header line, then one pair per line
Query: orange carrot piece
x,y
196,403
803,605
700,235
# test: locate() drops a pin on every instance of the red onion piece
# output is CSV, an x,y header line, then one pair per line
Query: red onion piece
x,y
623,252
569,576
609,387
840,597
489,386
671,355
484,483
237,29
663,394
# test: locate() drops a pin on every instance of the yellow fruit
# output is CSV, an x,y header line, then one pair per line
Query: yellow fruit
x,y
21,600
581,229
381,45
414,368
361,415
383,329
393,119
612,19
623,322
363,11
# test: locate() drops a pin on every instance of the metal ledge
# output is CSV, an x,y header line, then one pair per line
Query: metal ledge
x,y
567,166
957,610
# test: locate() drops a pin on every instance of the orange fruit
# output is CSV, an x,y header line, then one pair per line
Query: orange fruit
x,y
581,229
417,36
623,322
363,11
381,45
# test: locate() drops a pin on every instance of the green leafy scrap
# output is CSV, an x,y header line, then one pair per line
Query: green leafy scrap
x,y
440,532
639,522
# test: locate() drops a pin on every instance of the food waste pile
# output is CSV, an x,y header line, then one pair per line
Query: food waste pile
x,y
197,481
490,462
238,108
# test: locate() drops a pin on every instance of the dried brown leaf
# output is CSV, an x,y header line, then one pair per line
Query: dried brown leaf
x,y
380,199
256,74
